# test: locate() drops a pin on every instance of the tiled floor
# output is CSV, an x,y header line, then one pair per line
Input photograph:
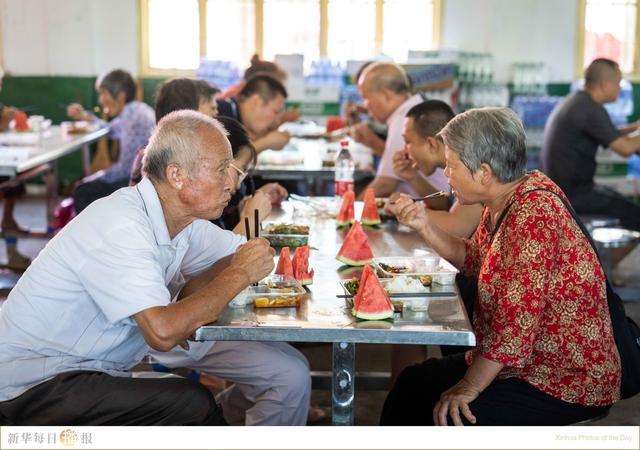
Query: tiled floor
x,y
30,212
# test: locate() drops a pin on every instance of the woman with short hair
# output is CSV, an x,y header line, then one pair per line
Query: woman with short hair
x,y
545,352
131,125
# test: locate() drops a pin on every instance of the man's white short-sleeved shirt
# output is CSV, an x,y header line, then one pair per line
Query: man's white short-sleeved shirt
x,y
395,142
72,309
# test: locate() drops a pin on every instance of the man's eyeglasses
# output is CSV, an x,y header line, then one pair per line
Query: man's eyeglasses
x,y
241,173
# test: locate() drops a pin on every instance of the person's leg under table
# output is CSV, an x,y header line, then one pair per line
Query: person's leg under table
x,y
96,398
504,402
272,382
601,200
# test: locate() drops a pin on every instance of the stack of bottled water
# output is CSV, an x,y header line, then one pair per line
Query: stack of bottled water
x,y
325,72
529,78
219,73
534,110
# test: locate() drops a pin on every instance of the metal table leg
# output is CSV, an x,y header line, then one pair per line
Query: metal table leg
x,y
51,181
343,383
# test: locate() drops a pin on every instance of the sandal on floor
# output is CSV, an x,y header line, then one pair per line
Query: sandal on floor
x,y
316,414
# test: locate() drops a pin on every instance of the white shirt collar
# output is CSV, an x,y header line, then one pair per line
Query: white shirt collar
x,y
153,209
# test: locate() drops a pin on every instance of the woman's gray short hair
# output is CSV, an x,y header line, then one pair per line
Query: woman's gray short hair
x,y
177,139
489,135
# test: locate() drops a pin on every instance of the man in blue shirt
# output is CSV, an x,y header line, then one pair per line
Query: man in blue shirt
x,y
140,269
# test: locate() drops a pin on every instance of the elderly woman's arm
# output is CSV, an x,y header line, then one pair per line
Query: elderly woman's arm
x,y
456,400
413,214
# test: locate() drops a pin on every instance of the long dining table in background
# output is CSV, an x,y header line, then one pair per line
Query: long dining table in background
x,y
324,317
26,155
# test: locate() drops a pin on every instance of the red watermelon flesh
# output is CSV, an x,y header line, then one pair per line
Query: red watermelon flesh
x,y
345,215
300,264
284,267
372,301
370,215
355,250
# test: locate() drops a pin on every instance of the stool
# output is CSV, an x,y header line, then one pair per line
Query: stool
x,y
593,419
613,245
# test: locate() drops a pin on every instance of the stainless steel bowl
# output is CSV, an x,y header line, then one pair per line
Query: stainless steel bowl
x,y
613,245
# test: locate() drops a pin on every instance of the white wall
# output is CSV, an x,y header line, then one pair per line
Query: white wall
x,y
69,37
88,37
515,31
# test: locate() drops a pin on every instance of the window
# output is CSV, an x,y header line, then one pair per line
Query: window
x,y
175,34
610,30
348,38
284,34
405,27
233,38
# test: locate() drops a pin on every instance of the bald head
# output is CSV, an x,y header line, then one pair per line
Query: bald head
x,y
386,76
600,70
183,137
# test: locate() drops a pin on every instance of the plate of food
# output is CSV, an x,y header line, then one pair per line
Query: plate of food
x,y
439,269
286,234
403,286
275,291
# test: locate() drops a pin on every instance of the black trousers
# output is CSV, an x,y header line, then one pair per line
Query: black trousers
x,y
505,402
89,192
96,398
601,200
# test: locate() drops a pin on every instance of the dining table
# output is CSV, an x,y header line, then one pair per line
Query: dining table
x,y
309,158
24,155
325,313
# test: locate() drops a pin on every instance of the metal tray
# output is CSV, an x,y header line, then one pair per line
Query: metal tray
x,y
442,270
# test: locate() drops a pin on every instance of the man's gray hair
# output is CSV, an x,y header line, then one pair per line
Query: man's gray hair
x,y
177,139
489,135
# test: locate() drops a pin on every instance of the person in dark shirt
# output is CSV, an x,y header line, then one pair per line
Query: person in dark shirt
x,y
573,133
259,107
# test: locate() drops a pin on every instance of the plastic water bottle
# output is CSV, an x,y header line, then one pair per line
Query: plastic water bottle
x,y
344,169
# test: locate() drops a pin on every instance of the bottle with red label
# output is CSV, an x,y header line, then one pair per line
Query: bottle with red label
x,y
344,169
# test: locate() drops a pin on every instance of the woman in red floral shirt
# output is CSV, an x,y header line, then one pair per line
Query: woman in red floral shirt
x,y
545,351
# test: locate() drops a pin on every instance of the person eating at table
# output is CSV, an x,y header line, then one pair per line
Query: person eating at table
x,y
572,135
131,125
545,352
258,66
259,107
386,91
423,154
143,269
186,93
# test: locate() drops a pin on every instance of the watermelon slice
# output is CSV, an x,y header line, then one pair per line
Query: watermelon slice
x,y
346,216
372,301
284,267
370,214
355,250
300,264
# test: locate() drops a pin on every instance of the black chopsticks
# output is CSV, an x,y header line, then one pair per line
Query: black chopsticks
x,y
247,228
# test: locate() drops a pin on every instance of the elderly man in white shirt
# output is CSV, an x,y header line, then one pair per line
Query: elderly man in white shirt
x,y
143,269
386,91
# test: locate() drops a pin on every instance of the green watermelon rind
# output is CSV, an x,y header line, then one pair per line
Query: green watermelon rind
x,y
385,314
370,222
342,224
351,262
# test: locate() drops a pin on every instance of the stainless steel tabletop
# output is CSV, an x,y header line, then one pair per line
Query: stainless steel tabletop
x,y
302,160
51,145
323,317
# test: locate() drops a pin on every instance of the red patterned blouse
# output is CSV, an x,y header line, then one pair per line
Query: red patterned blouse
x,y
542,306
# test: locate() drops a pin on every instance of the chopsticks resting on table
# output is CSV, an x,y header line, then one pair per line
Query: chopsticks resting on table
x,y
426,197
